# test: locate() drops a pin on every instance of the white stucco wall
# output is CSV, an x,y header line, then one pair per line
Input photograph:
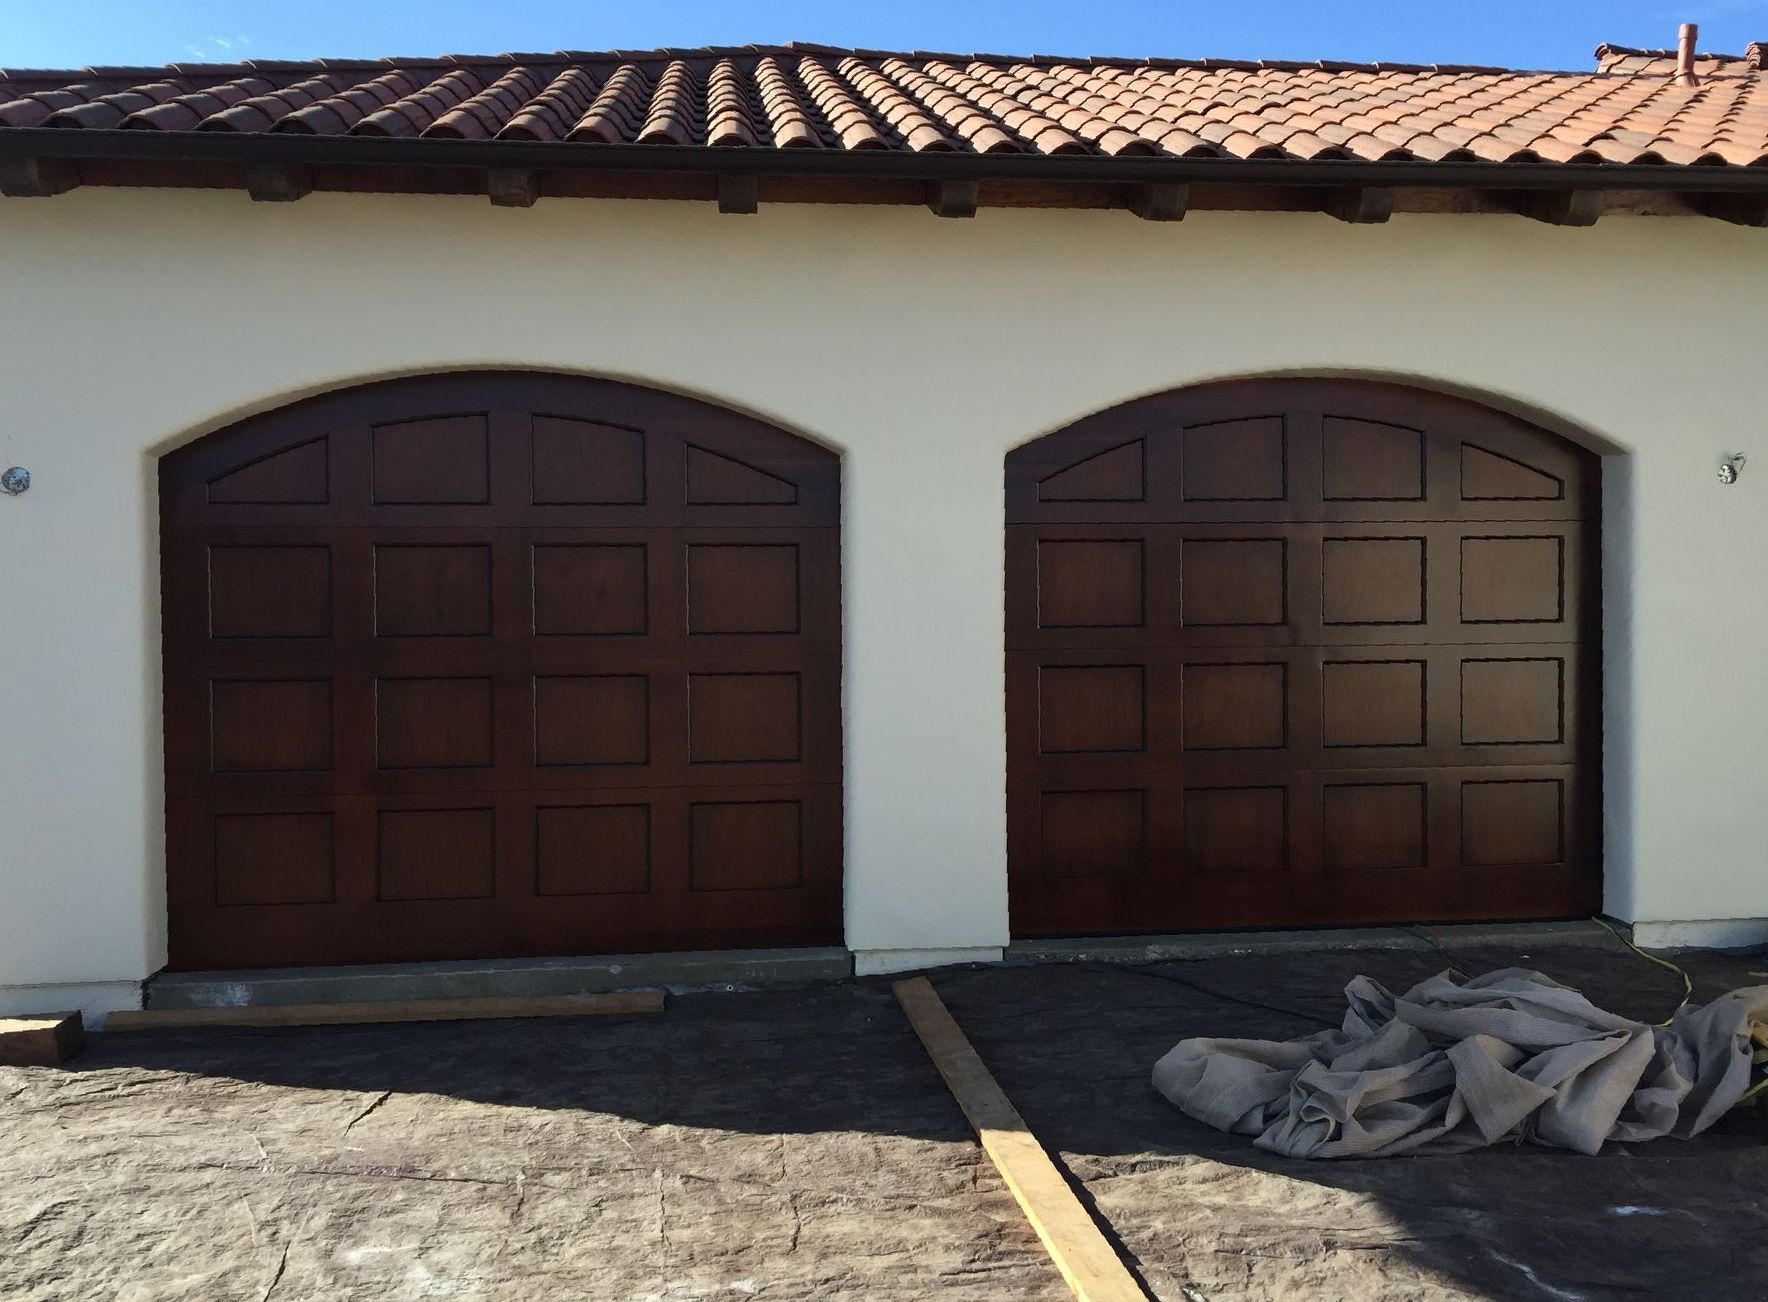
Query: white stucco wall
x,y
923,349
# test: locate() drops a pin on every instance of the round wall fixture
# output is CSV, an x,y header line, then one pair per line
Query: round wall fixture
x,y
14,480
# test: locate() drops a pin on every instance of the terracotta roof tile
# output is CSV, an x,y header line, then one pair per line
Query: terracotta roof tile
x,y
728,120
318,105
336,114
110,110
783,102
485,114
801,97
617,110
673,113
187,112
414,113
840,107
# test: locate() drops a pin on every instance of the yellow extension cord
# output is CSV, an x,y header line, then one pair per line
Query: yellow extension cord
x,y
1758,1058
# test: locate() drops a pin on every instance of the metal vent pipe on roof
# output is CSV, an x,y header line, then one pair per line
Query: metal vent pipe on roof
x,y
1685,39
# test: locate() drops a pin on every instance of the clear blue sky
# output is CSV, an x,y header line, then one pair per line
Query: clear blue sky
x,y
1516,33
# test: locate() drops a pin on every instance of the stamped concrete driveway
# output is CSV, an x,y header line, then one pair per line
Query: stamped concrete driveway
x,y
798,1144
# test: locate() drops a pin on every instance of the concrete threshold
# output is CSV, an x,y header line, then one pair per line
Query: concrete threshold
x,y
729,969
1158,949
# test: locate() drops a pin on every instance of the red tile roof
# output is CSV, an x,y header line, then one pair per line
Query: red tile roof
x,y
799,97
1662,63
799,123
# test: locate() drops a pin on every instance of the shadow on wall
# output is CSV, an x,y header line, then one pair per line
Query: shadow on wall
x,y
1073,1046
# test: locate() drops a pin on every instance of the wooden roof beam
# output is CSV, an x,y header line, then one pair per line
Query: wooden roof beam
x,y
1361,205
738,192
1738,209
512,187
1562,207
1160,201
278,182
953,198
37,178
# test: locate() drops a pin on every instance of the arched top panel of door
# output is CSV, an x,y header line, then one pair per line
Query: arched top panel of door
x,y
1298,450
502,448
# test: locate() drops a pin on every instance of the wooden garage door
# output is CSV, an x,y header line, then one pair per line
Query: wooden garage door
x,y
1297,652
496,665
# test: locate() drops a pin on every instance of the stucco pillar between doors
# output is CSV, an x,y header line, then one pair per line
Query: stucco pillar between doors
x,y
924,713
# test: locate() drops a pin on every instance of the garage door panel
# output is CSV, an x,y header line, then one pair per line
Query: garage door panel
x,y
1368,825
1347,456
1374,702
593,849
1242,460
591,589
1372,845
1332,666
1366,460
1317,584
543,665
592,719
295,476
410,873
1250,709
578,462
1230,707
1119,473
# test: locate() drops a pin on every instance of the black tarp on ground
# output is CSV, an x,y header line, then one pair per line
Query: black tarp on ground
x,y
798,1145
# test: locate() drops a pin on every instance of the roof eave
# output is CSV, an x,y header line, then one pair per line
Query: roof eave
x,y
74,145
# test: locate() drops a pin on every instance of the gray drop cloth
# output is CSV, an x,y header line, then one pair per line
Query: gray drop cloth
x,y
1453,1065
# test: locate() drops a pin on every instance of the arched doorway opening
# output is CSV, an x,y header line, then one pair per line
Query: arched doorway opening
x,y
499,664
1299,652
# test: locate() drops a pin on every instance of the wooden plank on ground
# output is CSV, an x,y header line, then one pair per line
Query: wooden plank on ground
x,y
406,1010
42,1040
1074,1241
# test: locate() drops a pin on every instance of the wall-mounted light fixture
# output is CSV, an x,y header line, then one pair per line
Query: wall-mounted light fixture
x,y
14,480
1730,468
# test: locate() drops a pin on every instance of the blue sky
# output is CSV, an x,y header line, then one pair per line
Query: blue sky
x,y
1533,34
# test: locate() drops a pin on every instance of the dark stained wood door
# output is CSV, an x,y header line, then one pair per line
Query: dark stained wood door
x,y
1301,652
500,664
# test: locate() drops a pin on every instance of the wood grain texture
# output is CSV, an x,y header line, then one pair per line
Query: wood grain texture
x,y
1301,652
1073,1239
41,1041
618,1004
427,642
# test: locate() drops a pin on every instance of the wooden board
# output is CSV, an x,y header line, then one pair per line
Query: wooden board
x,y
408,1010
41,1041
1074,1241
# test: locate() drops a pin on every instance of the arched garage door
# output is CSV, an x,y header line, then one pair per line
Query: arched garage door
x,y
1295,652
495,665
